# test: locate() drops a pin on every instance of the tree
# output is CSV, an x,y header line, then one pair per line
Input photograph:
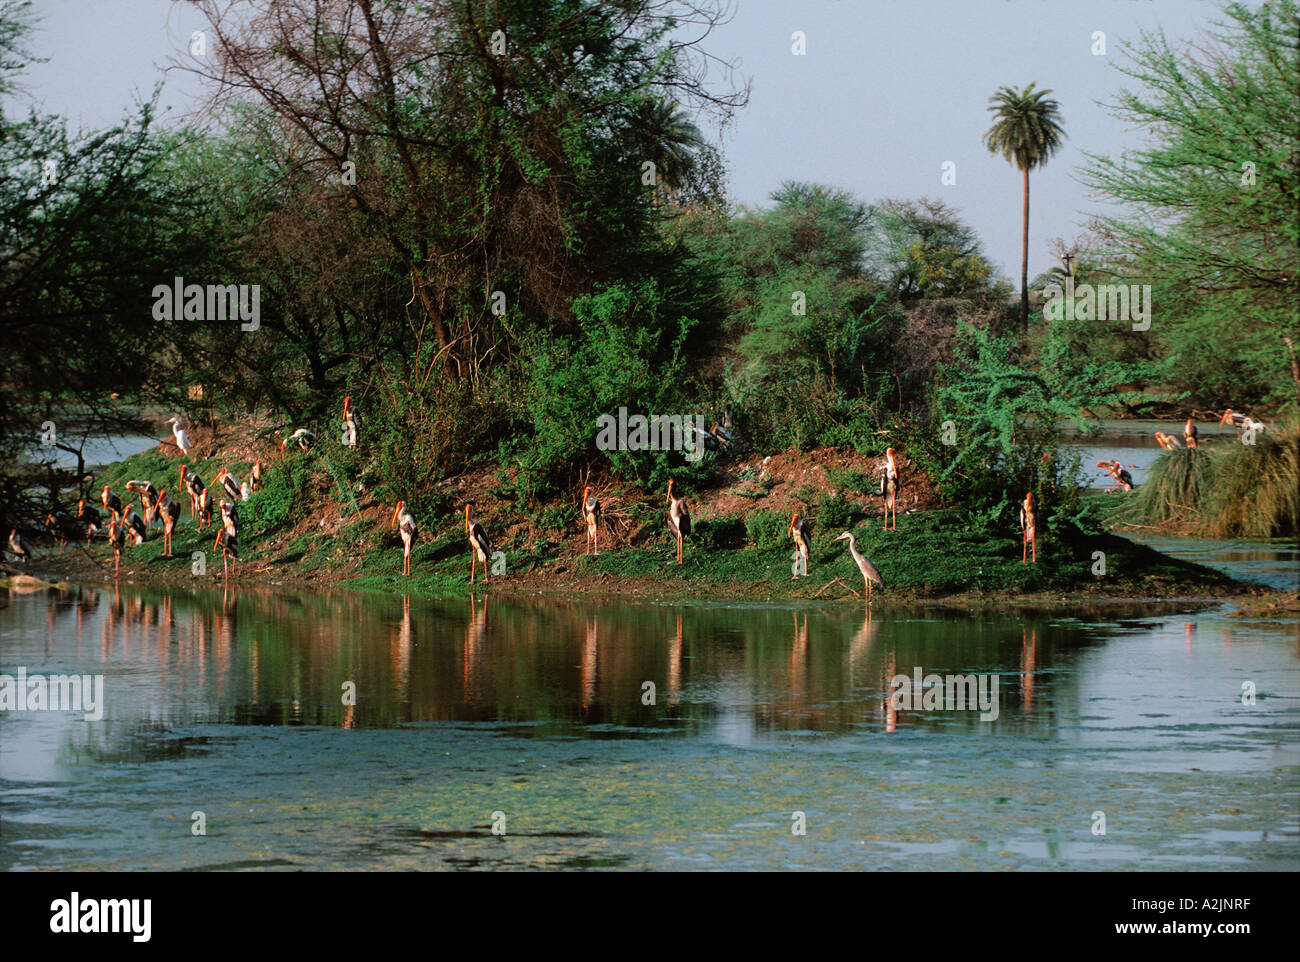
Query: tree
x,y
496,145
1212,200
89,223
922,249
1026,133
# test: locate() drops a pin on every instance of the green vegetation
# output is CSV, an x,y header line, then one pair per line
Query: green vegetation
x,y
1226,491
489,249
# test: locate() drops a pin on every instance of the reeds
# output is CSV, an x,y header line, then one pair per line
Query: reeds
x,y
1227,490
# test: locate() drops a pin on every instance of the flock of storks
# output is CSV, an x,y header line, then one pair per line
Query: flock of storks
x,y
125,525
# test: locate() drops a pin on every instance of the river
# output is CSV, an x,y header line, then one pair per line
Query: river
x,y
535,717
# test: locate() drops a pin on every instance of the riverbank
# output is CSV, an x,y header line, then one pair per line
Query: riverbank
x,y
317,523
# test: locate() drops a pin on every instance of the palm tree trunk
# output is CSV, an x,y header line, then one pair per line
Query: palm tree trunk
x,y
1024,262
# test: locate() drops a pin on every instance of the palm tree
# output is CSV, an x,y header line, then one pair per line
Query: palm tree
x,y
1026,133
671,139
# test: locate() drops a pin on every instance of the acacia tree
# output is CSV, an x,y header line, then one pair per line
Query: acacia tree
x,y
1026,133
1211,202
494,147
88,223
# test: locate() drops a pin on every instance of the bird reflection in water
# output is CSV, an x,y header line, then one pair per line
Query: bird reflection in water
x,y
1028,653
675,665
474,633
590,646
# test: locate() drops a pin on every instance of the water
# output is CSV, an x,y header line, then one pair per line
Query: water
x,y
1274,563
234,707
1132,443
98,451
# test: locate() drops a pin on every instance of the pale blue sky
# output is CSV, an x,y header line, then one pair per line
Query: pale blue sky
x,y
887,92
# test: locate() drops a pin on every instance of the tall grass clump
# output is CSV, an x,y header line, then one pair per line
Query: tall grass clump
x,y
1228,491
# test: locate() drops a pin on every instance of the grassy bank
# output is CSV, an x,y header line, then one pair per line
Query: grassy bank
x,y
318,523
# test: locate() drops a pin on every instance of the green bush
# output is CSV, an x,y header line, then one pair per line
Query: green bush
x,y
834,511
767,529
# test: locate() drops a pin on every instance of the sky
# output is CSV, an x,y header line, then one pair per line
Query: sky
x,y
887,92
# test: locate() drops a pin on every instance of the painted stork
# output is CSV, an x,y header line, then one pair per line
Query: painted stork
x,y
230,518
302,437
890,487
1190,434
679,519
1123,480
1167,441
148,498
205,508
478,544
170,512
591,514
18,546
1028,535
227,536
349,424
870,573
405,524
231,484
226,544
198,492
116,538
61,528
245,492
178,434
255,476
133,525
111,502
89,515
801,532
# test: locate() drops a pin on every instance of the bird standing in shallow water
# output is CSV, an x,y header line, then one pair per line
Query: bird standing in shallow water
x,y
479,548
679,519
1028,535
801,532
405,523
870,573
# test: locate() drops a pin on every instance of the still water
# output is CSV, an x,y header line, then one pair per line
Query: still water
x,y
1132,443
537,709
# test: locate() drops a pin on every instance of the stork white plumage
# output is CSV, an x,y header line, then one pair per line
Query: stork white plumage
x,y
302,437
178,434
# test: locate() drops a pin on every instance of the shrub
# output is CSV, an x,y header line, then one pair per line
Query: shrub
x,y
767,529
